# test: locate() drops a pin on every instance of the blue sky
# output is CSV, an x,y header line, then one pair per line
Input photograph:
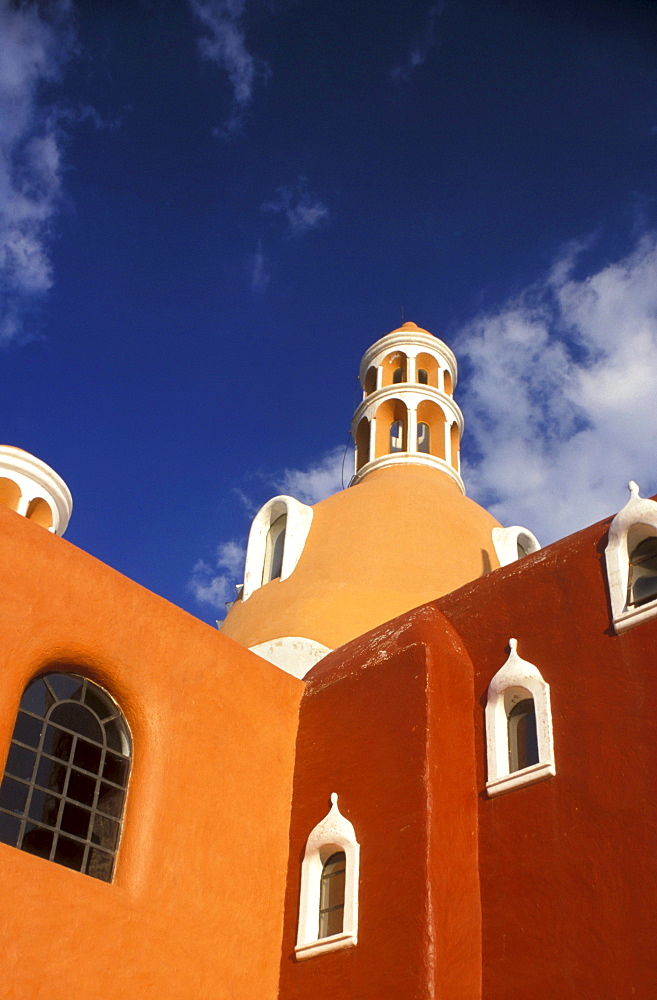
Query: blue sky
x,y
210,208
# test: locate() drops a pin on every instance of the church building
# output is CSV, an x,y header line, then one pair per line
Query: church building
x,y
415,762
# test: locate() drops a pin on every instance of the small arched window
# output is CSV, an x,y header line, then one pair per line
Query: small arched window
x,y
276,540
519,740
66,776
396,436
424,439
642,577
331,899
275,546
514,543
423,376
397,376
631,558
328,904
523,740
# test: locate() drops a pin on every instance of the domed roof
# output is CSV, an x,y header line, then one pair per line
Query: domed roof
x,y
399,538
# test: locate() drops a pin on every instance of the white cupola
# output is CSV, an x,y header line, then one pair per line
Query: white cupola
x,y
408,414
33,489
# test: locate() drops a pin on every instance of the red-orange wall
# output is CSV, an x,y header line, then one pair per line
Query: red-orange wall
x,y
377,728
569,865
195,909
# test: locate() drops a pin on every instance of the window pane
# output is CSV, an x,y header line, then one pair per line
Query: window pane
x,y
110,800
81,787
69,853
75,820
331,906
100,864
87,756
20,762
37,698
105,832
65,686
13,795
27,729
78,718
116,768
51,774
10,828
44,807
37,841
57,743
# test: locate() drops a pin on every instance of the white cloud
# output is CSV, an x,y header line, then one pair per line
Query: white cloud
x,y
215,584
259,269
303,210
420,49
33,50
320,479
225,45
561,401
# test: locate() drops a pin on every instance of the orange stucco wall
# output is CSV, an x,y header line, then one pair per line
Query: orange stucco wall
x,y
195,909
401,537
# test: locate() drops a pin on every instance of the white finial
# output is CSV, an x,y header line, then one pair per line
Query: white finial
x,y
513,645
334,798
634,489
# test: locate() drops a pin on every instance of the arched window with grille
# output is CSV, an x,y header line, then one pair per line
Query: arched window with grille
x,y
65,781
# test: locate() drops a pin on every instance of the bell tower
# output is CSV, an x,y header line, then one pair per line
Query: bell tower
x,y
408,414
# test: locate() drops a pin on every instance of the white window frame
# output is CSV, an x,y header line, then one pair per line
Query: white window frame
x,y
513,682
505,541
639,518
333,833
299,519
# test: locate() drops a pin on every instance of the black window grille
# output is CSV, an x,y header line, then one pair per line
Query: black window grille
x,y
331,903
66,775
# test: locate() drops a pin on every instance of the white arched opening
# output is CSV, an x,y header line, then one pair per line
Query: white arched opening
x,y
630,559
276,540
328,904
519,740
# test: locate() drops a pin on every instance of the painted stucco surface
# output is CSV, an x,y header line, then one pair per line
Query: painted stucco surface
x,y
568,866
401,537
196,906
378,727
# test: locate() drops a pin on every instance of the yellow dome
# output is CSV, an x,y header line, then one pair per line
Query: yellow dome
x,y
401,537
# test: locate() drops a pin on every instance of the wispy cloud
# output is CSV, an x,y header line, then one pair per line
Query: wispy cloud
x,y
560,402
35,43
320,478
225,45
213,582
420,48
304,211
258,266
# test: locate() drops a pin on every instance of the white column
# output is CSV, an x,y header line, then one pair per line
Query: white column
x,y
372,455
411,430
